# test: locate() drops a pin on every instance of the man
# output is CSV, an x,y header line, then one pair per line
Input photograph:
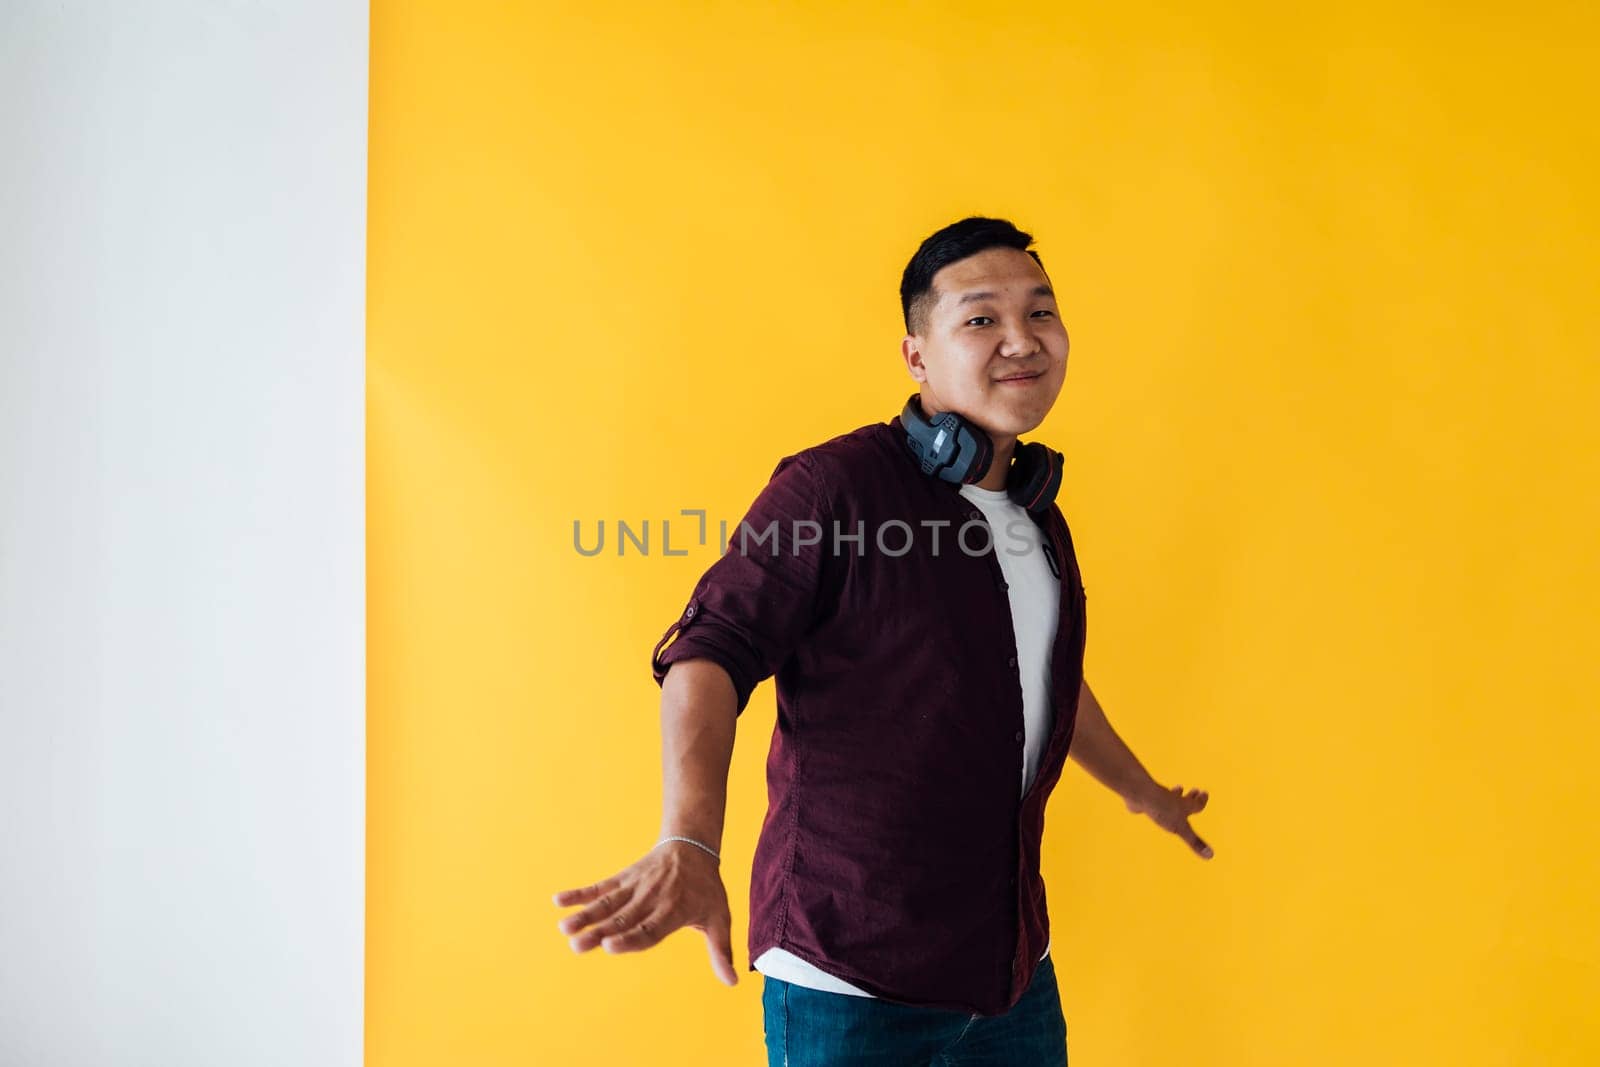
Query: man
x,y
912,587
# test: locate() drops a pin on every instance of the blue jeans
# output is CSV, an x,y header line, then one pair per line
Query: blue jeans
x,y
812,1028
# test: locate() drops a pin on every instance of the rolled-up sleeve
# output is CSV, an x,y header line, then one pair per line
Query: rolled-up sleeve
x,y
751,607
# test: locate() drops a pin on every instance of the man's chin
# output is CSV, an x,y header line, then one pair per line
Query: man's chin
x,y
1007,428
998,418
1013,423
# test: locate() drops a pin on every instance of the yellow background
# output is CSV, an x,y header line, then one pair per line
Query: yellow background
x,y
1330,425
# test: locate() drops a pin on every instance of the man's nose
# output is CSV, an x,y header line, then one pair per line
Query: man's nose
x,y
1020,340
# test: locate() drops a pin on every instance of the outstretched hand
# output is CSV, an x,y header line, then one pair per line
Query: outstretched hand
x,y
1171,808
671,886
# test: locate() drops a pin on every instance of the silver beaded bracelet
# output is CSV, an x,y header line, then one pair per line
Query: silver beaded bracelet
x,y
691,841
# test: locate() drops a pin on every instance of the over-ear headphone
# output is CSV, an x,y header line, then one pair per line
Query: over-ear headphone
x,y
959,451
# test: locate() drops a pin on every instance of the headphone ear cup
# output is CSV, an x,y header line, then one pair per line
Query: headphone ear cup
x,y
983,454
1035,476
947,446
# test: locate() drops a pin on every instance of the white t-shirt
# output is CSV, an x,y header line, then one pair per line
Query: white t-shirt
x,y
1035,594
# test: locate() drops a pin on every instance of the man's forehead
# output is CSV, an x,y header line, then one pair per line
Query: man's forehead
x,y
972,296
987,277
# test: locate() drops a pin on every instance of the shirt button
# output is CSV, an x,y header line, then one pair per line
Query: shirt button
x,y
974,514
1019,735
688,612
1011,661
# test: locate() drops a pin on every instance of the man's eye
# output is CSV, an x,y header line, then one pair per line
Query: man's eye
x,y
1041,311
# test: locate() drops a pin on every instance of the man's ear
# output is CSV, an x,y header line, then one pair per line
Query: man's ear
x,y
913,357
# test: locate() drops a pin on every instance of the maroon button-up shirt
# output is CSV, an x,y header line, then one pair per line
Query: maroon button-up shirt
x,y
895,852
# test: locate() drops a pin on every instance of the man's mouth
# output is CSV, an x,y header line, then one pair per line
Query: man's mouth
x,y
1020,379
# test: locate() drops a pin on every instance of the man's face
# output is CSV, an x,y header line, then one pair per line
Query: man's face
x,y
993,348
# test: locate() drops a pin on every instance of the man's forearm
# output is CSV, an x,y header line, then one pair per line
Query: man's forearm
x,y
698,717
1098,749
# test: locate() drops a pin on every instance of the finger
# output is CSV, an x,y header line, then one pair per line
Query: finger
x,y
620,920
601,932
1201,849
569,897
609,902
719,942
633,930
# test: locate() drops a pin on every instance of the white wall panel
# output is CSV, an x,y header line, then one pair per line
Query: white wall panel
x,y
182,217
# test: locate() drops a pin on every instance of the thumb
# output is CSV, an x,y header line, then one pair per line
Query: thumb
x,y
719,942
1201,849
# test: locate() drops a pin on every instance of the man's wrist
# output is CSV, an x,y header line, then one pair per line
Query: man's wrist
x,y
1143,794
692,842
703,829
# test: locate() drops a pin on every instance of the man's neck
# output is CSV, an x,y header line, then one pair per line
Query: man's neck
x,y
1004,448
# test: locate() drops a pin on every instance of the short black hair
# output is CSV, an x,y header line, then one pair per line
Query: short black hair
x,y
956,241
